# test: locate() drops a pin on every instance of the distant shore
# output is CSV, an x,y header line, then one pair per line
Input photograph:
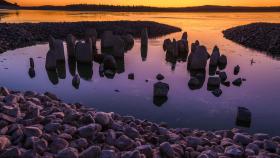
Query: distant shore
x,y
14,36
111,8
35,125
259,36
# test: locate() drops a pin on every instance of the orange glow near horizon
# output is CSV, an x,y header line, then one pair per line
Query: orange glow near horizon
x,y
156,3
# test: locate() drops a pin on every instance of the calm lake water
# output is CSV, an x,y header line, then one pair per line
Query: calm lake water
x,y
185,107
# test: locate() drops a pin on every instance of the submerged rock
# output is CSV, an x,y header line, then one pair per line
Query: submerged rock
x,y
131,76
160,77
194,83
237,82
217,92
236,70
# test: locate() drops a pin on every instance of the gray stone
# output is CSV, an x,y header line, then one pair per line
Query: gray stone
x,y
124,143
146,150
261,136
208,154
89,130
108,154
40,146
13,152
4,142
52,127
132,132
58,144
32,131
234,151
270,146
242,139
109,63
92,151
103,118
80,143
237,82
223,60
118,47
68,153
166,150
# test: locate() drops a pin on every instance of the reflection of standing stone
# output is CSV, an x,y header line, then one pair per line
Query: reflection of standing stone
x,y
31,63
92,34
118,47
71,42
84,51
76,81
57,46
50,60
107,41
144,37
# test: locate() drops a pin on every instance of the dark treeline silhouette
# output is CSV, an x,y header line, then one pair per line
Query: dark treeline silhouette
x,y
206,8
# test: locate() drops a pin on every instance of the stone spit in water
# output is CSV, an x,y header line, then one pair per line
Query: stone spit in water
x,y
27,34
260,36
65,130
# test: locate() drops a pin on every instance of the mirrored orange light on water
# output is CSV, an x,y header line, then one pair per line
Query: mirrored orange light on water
x,y
157,3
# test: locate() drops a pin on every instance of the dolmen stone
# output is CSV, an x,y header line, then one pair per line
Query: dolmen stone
x,y
107,41
199,58
144,37
213,82
84,53
214,58
56,45
161,89
71,44
50,60
243,117
236,70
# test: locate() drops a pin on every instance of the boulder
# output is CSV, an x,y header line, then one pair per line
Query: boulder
x,y
166,150
147,150
31,72
13,152
108,154
144,37
243,117
92,151
71,44
50,60
68,153
213,82
118,47
199,59
161,89
237,82
234,151
89,130
84,52
124,143
242,139
236,70
217,92
214,58
107,40
103,118
223,76
222,62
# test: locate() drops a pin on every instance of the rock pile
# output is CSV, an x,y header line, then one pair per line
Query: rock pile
x,y
41,125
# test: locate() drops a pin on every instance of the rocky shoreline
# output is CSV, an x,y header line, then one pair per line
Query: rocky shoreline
x,y
14,35
259,36
41,125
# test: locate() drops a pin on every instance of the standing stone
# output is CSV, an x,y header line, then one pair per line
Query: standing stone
x,y
92,34
199,59
214,58
144,37
71,43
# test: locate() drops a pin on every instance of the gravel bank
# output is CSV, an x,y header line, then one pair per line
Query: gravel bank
x,y
259,36
14,36
41,125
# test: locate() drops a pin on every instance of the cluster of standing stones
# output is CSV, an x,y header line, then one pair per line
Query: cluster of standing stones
x,y
260,36
34,125
197,62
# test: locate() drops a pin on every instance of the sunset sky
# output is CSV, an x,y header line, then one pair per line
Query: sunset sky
x,y
159,3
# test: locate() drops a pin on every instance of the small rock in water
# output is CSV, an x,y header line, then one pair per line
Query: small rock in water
x,y
217,92
236,70
161,89
160,77
237,82
226,83
223,76
76,81
213,83
131,76
31,72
